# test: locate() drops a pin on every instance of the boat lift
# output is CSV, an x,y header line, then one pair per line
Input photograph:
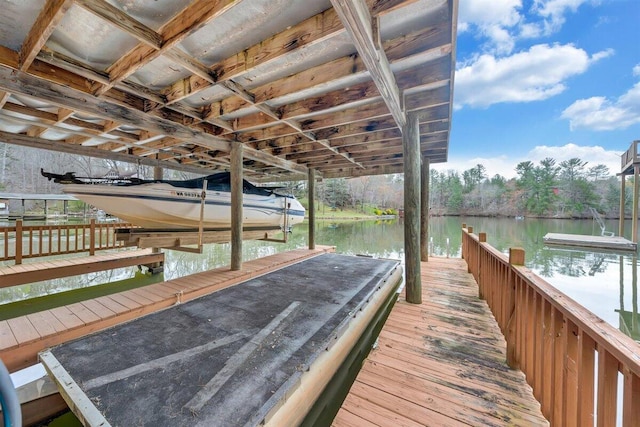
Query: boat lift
x,y
181,239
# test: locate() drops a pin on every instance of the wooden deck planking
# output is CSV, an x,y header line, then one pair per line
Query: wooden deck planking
x,y
34,272
440,363
20,341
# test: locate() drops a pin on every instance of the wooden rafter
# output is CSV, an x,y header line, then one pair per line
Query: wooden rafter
x,y
356,18
19,82
185,23
46,21
334,114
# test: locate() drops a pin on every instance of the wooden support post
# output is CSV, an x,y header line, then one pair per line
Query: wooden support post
x,y
411,153
516,258
156,267
18,257
482,238
622,204
424,210
46,209
65,207
634,216
236,206
92,236
312,209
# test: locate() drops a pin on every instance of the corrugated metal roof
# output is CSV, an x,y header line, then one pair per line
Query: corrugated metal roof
x,y
172,83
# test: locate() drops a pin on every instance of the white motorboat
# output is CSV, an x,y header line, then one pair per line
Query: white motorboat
x,y
168,204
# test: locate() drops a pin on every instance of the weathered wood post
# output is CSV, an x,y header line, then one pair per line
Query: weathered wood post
x,y
312,209
622,204
92,236
236,205
424,210
470,231
18,245
411,153
516,258
634,216
156,267
482,238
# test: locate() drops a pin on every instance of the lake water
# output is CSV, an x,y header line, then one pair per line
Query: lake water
x,y
605,283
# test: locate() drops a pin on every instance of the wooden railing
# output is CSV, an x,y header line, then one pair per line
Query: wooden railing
x,y
19,242
572,359
630,156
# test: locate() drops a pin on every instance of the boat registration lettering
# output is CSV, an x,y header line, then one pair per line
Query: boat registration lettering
x,y
186,193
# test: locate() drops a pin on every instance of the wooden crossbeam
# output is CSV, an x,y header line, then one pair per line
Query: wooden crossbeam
x,y
356,18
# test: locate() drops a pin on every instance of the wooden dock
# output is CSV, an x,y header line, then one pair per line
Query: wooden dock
x,y
14,275
23,337
440,363
615,243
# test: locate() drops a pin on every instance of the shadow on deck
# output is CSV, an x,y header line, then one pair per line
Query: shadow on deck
x,y
440,363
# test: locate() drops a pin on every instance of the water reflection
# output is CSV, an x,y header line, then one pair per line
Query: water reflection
x,y
605,283
629,320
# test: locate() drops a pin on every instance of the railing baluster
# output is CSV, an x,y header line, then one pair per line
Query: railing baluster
x,y
554,341
547,360
607,388
538,348
570,389
41,233
559,353
18,245
586,379
631,408
56,240
50,235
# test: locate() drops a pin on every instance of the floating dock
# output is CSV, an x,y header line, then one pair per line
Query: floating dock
x,y
593,242
258,352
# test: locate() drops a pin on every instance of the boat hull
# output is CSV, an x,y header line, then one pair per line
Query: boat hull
x,y
161,206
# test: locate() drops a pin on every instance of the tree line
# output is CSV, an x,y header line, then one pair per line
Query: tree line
x,y
567,189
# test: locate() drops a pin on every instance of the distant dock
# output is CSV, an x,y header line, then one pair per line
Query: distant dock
x,y
594,242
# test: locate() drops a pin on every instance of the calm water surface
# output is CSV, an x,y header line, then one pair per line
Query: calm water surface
x,y
603,282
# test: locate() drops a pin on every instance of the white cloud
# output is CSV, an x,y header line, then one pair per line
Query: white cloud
x,y
553,12
601,114
593,155
491,19
505,165
503,22
490,12
636,70
532,75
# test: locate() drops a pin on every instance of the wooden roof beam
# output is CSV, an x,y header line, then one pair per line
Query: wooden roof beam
x,y
47,19
356,18
123,21
409,47
315,29
20,82
189,20
34,142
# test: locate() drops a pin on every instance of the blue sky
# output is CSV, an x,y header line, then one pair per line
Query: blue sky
x,y
545,78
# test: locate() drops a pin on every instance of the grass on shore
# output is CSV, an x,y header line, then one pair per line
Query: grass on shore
x,y
324,211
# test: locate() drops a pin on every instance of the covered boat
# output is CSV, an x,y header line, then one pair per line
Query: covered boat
x,y
164,204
